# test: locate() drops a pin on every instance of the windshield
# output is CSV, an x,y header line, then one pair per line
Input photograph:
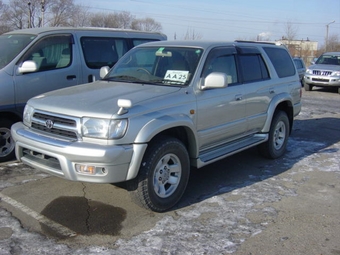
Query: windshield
x,y
11,46
328,60
157,65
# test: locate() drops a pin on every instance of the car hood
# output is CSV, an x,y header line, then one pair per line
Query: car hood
x,y
325,67
97,99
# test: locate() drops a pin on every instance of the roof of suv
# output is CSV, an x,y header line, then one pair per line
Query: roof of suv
x,y
206,44
334,53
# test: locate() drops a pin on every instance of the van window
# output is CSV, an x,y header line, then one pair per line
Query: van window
x,y
253,68
103,51
51,52
12,45
281,60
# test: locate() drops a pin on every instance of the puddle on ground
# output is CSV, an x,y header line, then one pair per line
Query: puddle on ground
x,y
83,216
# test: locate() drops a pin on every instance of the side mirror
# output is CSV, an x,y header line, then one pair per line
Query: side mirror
x,y
215,80
104,71
28,66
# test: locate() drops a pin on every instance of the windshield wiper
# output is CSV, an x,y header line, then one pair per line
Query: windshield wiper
x,y
124,78
167,82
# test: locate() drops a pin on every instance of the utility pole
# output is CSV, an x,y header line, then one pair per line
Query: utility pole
x,y
327,34
29,16
42,12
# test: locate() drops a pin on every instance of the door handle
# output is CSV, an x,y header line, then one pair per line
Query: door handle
x,y
71,77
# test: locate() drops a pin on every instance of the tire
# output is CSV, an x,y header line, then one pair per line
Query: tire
x,y
163,175
276,145
7,145
308,87
339,90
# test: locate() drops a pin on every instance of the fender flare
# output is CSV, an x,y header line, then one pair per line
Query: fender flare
x,y
275,102
155,127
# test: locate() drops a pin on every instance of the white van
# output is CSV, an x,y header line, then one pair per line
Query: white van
x,y
34,61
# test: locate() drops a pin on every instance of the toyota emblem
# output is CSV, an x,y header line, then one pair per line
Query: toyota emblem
x,y
49,124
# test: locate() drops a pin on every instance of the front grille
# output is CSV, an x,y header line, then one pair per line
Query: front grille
x,y
61,127
55,119
321,80
324,73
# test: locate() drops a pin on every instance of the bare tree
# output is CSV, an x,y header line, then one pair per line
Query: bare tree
x,y
19,14
147,24
23,14
4,25
290,31
332,45
80,17
104,20
191,34
62,12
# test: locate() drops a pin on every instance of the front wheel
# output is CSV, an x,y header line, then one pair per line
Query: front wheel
x,y
276,145
7,144
163,175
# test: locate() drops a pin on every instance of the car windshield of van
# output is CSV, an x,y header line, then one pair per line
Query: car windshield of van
x,y
11,46
328,60
157,65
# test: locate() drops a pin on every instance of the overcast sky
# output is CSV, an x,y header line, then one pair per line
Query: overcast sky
x,y
232,19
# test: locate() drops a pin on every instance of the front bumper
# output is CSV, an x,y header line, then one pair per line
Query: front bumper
x,y
59,158
319,80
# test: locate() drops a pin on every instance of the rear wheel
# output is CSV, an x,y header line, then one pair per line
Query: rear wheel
x,y
7,144
163,175
276,145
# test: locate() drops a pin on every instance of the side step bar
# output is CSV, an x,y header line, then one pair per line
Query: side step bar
x,y
211,155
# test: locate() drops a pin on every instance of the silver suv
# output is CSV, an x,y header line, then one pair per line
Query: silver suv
x,y
163,108
324,73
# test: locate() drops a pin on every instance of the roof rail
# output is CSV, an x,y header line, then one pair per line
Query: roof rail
x,y
265,42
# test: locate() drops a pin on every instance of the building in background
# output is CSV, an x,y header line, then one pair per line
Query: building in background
x,y
305,49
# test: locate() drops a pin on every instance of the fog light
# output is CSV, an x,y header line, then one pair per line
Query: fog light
x,y
85,169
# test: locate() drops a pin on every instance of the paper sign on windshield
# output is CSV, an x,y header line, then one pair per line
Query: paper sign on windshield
x,y
176,75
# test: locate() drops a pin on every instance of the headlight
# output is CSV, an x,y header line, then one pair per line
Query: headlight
x,y
309,71
27,116
337,73
104,128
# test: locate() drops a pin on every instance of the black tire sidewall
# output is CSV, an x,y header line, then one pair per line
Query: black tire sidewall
x,y
274,153
5,123
157,150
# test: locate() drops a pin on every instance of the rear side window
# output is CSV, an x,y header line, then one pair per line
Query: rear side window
x,y
281,61
253,68
103,51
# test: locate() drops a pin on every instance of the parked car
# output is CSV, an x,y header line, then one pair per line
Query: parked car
x,y
301,68
324,73
163,108
34,61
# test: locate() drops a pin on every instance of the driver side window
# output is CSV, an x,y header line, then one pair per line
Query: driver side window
x,y
223,61
51,52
